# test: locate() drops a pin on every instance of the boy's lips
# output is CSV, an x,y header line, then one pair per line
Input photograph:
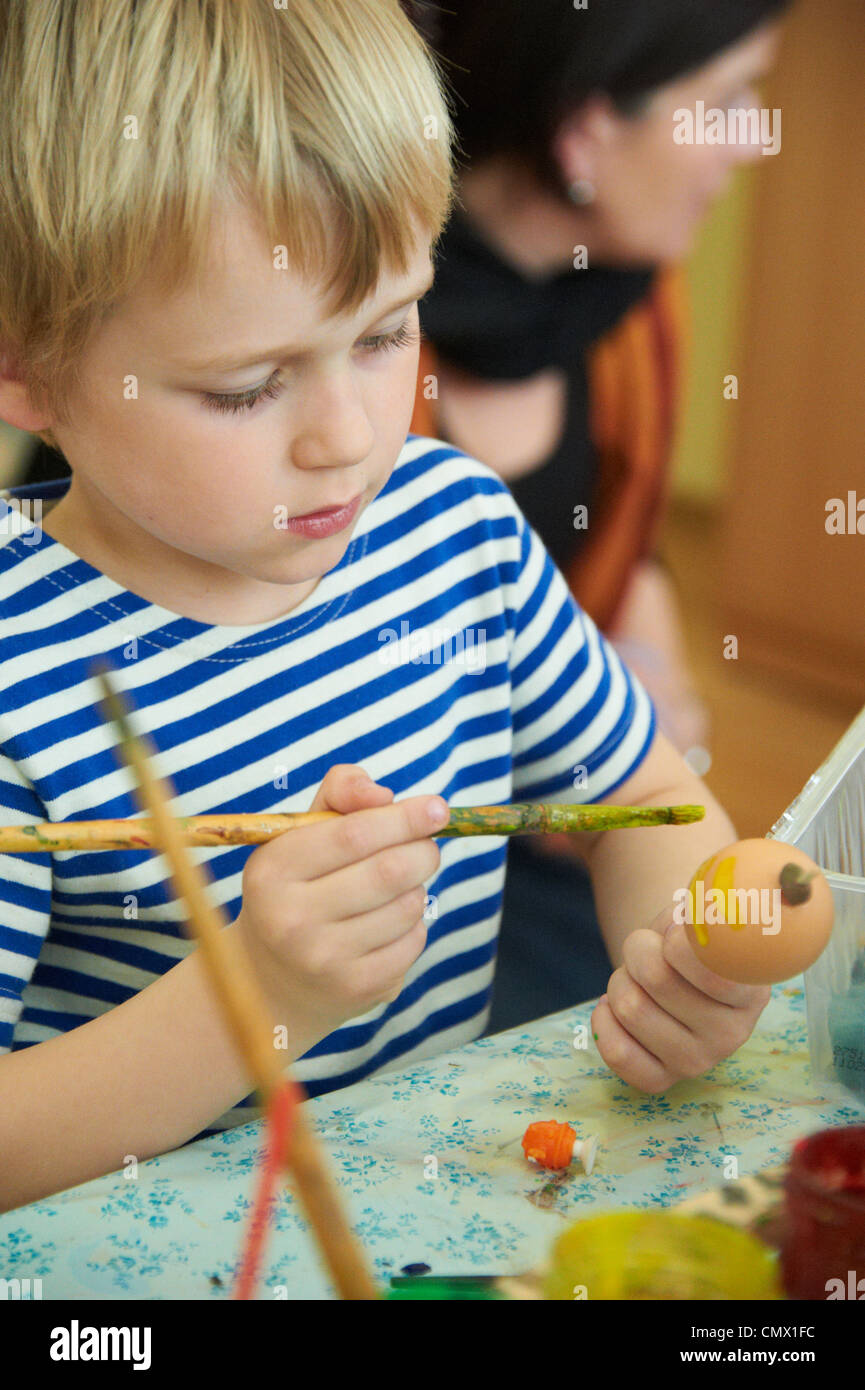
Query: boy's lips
x,y
317,525
327,511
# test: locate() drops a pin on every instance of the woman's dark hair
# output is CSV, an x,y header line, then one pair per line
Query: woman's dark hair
x,y
518,67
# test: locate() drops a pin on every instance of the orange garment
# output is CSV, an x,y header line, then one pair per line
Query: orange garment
x,y
634,374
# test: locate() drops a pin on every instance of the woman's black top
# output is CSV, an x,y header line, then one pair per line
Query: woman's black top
x,y
489,319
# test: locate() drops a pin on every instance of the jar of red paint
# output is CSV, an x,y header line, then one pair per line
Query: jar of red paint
x,y
823,1255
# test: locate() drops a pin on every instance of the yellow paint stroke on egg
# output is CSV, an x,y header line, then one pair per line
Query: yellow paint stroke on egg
x,y
724,881
699,929
721,878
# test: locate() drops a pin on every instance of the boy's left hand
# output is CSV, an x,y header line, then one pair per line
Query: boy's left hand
x,y
665,1016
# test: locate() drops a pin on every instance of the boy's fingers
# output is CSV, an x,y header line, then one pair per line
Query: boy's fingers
x,y
649,968
368,933
311,851
716,1028
346,788
679,953
393,960
402,866
680,1051
624,1055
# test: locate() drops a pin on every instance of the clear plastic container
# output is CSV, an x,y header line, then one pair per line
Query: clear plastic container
x,y
827,821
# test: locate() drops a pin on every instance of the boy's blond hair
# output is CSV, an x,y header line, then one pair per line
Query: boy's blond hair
x,y
121,121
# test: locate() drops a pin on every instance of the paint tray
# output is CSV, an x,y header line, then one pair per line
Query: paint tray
x,y
827,821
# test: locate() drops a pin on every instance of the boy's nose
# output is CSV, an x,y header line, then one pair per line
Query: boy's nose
x,y
335,430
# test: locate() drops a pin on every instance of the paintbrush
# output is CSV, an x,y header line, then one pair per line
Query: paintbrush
x,y
526,818
246,1011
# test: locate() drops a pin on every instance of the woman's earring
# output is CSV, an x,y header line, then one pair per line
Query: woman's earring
x,y
581,192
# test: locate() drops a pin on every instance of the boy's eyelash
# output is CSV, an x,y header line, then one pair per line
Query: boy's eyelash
x,y
245,400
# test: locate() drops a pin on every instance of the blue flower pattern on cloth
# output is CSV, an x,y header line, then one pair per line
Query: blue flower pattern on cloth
x,y
430,1167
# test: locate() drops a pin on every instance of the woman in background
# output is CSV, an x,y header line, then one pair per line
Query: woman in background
x,y
554,332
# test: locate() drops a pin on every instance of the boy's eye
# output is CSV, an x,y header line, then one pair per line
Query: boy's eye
x,y
245,400
403,337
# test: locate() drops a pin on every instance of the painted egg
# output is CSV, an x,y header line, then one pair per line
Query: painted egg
x,y
758,912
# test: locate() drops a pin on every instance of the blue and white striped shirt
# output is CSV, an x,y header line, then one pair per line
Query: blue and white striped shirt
x,y
444,654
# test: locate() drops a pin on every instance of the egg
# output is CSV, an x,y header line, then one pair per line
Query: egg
x,y
758,912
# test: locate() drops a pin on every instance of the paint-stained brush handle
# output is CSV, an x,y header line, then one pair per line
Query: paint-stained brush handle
x,y
527,818
244,1007
546,818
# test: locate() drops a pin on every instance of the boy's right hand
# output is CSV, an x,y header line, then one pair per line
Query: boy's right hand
x,y
332,914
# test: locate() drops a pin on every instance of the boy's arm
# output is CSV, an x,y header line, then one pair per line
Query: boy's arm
x,y
634,873
664,1017
140,1079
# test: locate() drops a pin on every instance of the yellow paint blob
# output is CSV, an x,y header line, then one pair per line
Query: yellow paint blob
x,y
659,1255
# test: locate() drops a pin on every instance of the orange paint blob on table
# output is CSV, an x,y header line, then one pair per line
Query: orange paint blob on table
x,y
551,1144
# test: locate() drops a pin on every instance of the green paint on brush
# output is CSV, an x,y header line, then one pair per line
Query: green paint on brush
x,y
532,817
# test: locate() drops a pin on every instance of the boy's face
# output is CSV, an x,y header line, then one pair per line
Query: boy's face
x,y
181,501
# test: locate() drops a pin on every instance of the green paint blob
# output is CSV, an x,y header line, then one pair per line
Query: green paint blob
x,y
444,1289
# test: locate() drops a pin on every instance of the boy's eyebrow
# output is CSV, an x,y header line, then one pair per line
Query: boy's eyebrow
x,y
228,362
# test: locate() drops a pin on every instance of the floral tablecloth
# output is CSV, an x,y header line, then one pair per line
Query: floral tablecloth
x,y
431,1169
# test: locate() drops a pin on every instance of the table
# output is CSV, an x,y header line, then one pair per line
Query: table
x,y
429,1162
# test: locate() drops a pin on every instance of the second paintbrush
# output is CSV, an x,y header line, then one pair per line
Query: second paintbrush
x,y
525,818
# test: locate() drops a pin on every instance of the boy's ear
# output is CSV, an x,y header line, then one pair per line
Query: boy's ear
x,y
16,408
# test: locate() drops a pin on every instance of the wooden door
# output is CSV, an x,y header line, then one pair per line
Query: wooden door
x,y
794,595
